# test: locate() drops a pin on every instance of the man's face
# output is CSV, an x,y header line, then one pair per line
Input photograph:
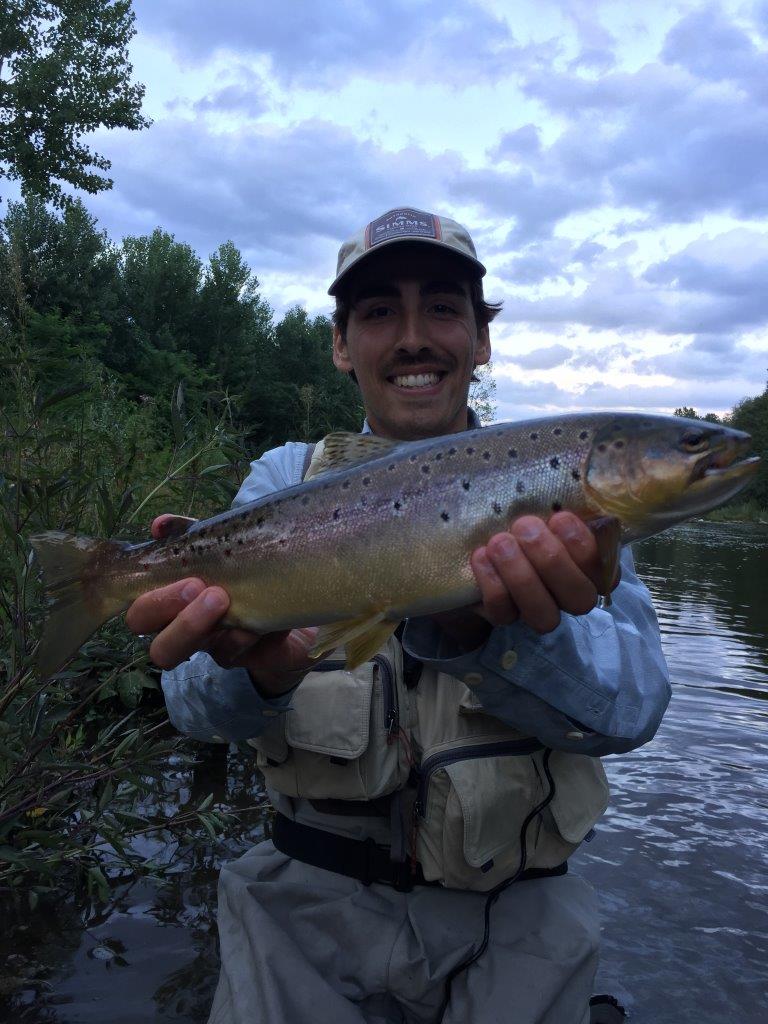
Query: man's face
x,y
412,342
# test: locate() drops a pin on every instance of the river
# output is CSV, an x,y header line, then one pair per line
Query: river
x,y
679,859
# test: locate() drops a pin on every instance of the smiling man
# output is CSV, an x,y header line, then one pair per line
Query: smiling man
x,y
457,769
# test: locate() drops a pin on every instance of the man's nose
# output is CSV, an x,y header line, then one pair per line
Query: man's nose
x,y
411,333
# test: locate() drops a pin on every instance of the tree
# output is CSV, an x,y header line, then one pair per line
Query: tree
x,y
482,393
751,415
64,72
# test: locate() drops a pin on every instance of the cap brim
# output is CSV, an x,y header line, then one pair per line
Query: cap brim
x,y
475,264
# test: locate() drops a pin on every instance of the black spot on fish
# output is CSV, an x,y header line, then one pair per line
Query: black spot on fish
x,y
425,469
282,542
618,444
336,513
228,552
444,516
556,506
398,505
244,515
584,435
452,451
366,480
512,453
305,500
576,474
240,541
465,484
260,521
391,466
438,456
534,436
486,456
345,485
496,508
176,551
554,462
520,487
412,458
602,447
470,451
557,431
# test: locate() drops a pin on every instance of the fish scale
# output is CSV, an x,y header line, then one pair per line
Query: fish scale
x,y
385,530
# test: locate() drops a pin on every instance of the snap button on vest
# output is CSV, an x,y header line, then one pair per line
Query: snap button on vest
x,y
473,678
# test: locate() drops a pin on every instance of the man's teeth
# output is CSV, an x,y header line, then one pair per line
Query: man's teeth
x,y
417,380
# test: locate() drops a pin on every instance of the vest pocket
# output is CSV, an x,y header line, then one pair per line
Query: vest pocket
x,y
471,805
340,739
581,794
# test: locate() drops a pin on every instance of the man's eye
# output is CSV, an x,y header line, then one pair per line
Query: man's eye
x,y
377,312
443,308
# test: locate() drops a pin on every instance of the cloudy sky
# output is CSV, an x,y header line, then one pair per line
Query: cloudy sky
x,y
610,160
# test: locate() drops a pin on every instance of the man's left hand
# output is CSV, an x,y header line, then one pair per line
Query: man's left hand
x,y
532,573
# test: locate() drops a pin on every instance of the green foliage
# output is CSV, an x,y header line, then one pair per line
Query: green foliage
x,y
64,72
751,415
690,414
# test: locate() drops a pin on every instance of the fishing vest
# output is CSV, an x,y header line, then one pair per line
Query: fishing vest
x,y
461,781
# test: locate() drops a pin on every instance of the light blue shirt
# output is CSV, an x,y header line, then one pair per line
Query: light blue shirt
x,y
597,684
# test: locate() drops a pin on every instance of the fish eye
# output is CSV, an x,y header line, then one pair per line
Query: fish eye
x,y
694,441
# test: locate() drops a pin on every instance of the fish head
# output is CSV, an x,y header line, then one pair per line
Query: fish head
x,y
654,471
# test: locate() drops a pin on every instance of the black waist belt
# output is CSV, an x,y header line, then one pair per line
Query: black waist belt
x,y
364,860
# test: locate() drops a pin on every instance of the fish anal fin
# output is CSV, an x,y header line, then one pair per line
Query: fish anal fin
x,y
607,533
342,449
361,637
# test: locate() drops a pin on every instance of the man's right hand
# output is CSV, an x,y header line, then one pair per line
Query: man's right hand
x,y
186,616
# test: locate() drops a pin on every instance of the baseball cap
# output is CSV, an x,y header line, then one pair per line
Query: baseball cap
x,y
405,224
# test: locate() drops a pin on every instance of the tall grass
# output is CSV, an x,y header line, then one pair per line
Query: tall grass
x,y
80,753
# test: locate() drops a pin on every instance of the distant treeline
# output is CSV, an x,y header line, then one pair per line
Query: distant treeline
x,y
147,315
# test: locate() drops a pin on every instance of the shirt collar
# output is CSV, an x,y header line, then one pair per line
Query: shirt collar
x,y
473,422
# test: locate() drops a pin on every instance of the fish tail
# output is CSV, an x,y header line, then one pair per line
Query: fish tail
x,y
75,576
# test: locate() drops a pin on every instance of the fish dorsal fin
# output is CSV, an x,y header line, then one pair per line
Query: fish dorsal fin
x,y
342,449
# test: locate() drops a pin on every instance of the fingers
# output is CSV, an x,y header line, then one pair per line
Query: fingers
x,y
533,572
168,525
191,630
154,610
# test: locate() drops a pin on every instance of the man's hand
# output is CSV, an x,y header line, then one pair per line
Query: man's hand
x,y
533,572
186,616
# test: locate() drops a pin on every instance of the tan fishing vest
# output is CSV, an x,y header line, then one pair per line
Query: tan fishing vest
x,y
467,780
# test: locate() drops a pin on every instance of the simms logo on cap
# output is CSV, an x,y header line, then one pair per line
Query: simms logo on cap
x,y
402,223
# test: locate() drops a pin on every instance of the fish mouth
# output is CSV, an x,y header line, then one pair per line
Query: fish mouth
x,y
723,465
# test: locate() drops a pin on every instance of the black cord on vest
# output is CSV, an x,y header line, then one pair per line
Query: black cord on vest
x,y
494,894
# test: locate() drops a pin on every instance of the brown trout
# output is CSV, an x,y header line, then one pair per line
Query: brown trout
x,y
385,529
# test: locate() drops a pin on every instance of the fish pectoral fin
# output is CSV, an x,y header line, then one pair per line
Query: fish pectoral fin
x,y
607,533
362,637
342,449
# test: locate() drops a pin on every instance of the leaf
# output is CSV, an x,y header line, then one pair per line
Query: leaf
x,y
129,687
177,414
98,883
61,396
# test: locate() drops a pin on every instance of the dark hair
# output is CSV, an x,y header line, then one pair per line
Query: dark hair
x,y
484,311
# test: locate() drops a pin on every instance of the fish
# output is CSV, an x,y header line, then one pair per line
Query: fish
x,y
382,530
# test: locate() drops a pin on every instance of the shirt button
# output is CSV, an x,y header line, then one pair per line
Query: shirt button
x,y
574,735
473,678
270,713
216,738
508,660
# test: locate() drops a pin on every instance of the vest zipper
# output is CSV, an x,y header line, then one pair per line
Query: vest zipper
x,y
435,762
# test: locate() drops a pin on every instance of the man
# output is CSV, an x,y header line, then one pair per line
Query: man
x,y
463,756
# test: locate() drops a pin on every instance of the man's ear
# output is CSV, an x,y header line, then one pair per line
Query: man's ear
x,y
483,348
341,358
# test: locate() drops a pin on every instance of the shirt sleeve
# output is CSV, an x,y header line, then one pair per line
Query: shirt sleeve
x,y
597,684
215,704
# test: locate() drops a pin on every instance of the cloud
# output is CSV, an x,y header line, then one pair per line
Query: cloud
x,y
288,196
246,94
319,43
543,358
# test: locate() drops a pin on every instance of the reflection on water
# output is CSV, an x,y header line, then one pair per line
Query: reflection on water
x,y
679,859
